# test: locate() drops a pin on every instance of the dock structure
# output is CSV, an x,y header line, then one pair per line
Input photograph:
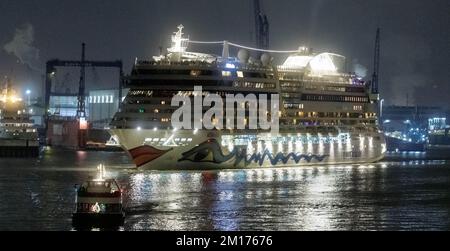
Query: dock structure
x,y
71,131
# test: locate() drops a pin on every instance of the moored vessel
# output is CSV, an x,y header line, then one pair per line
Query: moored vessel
x,y
18,135
326,116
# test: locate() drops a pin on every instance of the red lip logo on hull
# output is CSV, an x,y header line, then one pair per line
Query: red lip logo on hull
x,y
144,154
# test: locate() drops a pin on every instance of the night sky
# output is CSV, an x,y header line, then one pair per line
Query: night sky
x,y
415,36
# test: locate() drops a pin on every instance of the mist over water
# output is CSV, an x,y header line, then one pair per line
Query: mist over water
x,y
415,195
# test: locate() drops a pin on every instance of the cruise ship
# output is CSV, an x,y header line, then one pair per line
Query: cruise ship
x,y
18,136
326,116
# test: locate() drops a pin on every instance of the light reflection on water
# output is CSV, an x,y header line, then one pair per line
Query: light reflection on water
x,y
383,196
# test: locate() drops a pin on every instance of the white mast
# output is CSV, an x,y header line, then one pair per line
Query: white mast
x,y
179,44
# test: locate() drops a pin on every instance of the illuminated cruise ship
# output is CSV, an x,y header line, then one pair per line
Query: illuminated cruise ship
x,y
326,116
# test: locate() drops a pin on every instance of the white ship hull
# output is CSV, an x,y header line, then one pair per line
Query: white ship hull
x,y
203,150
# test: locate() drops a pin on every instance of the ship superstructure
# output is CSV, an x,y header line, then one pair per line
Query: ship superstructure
x,y
18,136
325,116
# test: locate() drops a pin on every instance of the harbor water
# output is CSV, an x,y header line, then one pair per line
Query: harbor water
x,y
38,194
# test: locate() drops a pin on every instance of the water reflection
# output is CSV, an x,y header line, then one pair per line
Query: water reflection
x,y
344,197
383,196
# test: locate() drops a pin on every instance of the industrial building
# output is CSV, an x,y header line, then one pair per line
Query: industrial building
x,y
409,127
398,118
102,105
64,105
69,112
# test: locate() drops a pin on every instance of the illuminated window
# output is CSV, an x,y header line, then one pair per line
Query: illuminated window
x,y
240,74
226,73
357,107
230,66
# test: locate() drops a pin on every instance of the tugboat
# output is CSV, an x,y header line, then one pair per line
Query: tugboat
x,y
98,203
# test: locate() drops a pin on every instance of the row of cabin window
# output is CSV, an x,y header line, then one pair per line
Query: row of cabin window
x,y
332,98
195,72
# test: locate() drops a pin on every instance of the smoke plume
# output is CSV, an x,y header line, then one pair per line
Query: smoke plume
x,y
359,69
22,47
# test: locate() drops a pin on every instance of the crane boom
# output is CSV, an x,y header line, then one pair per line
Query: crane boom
x,y
376,64
81,107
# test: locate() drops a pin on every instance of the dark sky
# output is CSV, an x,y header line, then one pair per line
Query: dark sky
x,y
415,35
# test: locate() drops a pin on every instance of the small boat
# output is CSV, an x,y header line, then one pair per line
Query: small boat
x,y
98,203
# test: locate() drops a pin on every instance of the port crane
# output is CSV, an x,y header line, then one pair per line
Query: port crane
x,y
81,106
51,67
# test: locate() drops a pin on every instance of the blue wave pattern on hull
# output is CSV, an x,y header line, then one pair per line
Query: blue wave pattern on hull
x,y
297,157
200,153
